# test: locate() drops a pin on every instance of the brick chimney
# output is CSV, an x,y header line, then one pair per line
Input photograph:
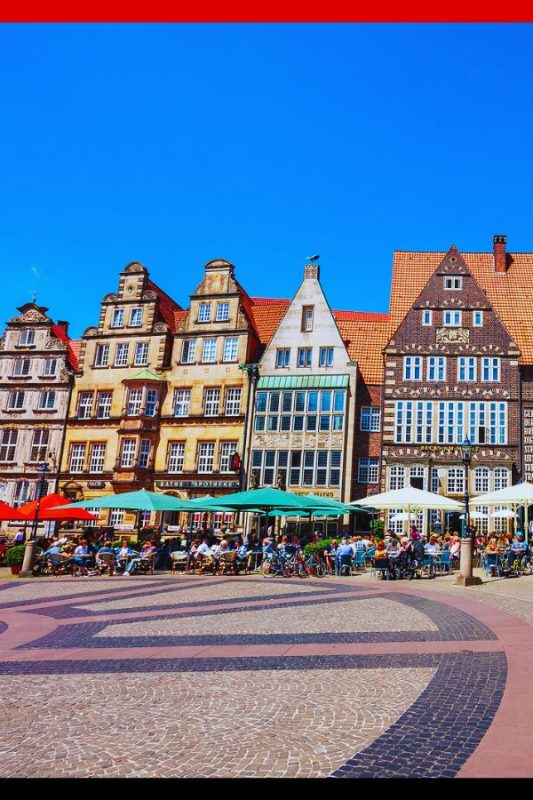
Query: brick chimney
x,y
500,254
63,325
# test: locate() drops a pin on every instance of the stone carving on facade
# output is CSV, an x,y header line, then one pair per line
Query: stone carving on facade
x,y
111,298
254,481
135,266
281,481
90,332
160,327
453,335
149,295
452,302
30,317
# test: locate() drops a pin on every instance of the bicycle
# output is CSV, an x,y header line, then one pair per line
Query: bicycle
x,y
315,566
274,566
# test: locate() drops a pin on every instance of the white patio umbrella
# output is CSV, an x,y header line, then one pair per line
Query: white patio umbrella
x,y
411,500
521,494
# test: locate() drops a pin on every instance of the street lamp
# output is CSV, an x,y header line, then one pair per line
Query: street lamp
x,y
31,544
466,576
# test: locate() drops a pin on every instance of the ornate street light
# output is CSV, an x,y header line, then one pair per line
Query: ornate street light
x,y
31,544
466,576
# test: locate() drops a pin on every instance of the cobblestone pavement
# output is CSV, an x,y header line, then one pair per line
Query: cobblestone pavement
x,y
339,677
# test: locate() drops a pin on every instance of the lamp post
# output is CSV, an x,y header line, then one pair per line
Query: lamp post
x,y
31,544
466,576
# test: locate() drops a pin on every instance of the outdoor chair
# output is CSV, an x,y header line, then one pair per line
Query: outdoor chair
x,y
146,565
58,564
490,560
444,563
178,561
105,562
380,566
227,563
204,563
343,565
428,565
370,553
359,562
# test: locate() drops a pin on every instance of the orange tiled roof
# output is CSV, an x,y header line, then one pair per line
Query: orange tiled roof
x,y
510,293
365,335
267,314
167,306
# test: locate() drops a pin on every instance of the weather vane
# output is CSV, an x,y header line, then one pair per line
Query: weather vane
x,y
312,259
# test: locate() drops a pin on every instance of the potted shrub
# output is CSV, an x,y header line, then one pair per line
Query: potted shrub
x,y
15,557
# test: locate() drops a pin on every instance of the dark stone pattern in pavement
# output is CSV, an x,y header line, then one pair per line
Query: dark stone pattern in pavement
x,y
453,624
121,590
443,727
3,627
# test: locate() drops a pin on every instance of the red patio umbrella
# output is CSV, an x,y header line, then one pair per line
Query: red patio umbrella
x,y
8,514
48,511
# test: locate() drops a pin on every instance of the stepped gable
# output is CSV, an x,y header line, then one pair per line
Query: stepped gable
x,y
509,291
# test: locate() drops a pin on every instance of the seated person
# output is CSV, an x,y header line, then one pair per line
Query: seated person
x,y
381,551
455,547
148,550
393,545
329,554
84,556
343,556
432,548
107,548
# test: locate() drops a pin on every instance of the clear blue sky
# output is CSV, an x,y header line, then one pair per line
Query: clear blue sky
x,y
262,144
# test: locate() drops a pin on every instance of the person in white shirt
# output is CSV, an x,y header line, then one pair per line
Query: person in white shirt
x,y
432,548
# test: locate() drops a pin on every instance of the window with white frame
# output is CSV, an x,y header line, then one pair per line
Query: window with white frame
x,y
325,356
121,355
501,478
8,444
416,477
396,477
21,366
305,356
101,355
134,404
182,402
209,351
97,457
490,370
127,453
466,369
368,470
23,493
204,312
451,422
488,423
435,480
452,319
481,480
307,318
39,445
176,456
116,517
103,405
370,418
453,282
482,522
77,457
85,405
436,368
414,421
47,401
26,338
117,320
50,367
141,354
427,317
227,449
412,368
477,319
456,480
231,345
144,453
222,312
188,351
283,356
151,402
136,318
206,456
233,402
15,401
211,402
395,521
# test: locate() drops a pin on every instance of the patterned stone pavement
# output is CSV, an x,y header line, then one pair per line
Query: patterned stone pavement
x,y
342,678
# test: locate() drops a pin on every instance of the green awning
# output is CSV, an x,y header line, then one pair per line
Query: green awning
x,y
304,382
144,375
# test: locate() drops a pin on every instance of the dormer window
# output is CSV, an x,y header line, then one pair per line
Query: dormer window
x,y
452,319
453,282
477,319
427,318
136,317
204,312
118,318
222,312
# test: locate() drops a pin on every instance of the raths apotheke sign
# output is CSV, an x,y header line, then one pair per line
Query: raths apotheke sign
x,y
528,444
197,484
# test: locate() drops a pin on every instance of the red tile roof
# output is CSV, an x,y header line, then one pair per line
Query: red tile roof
x,y
73,346
267,314
510,293
365,336
167,306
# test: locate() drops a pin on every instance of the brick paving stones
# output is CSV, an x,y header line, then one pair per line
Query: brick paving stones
x,y
404,694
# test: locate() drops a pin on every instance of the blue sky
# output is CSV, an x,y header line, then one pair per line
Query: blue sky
x,y
262,144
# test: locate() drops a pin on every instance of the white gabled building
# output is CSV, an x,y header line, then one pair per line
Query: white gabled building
x,y
303,423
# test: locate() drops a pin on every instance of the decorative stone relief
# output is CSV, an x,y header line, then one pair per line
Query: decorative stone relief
x,y
453,335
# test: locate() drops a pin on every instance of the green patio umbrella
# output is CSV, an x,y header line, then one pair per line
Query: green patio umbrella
x,y
141,500
268,499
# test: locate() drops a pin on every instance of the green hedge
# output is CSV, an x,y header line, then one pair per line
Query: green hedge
x,y
316,547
